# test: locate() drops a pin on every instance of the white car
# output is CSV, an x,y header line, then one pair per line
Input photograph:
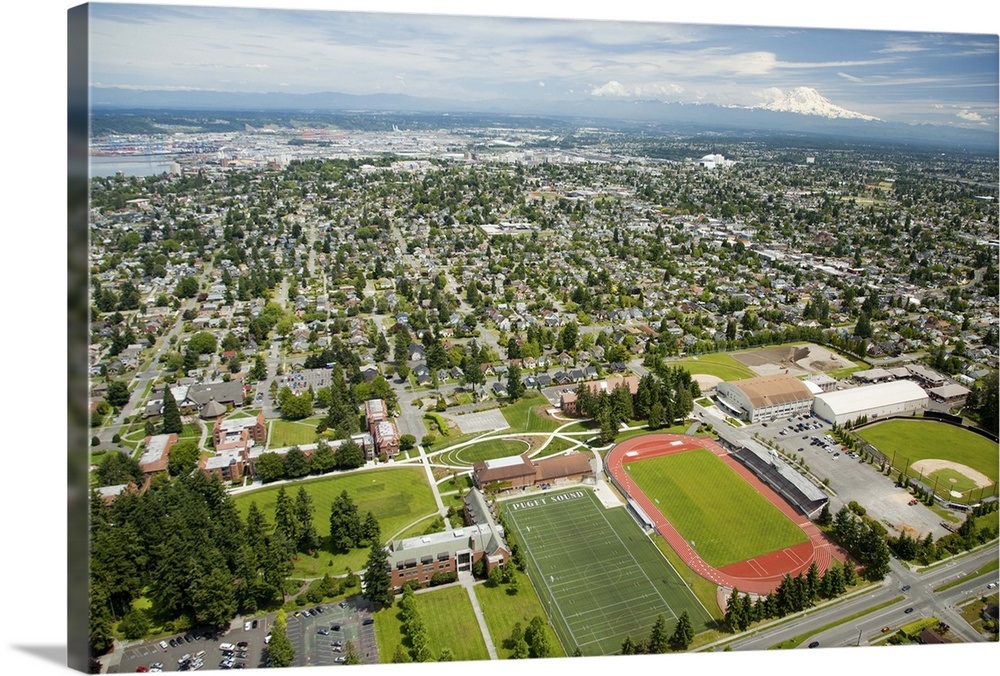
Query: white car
x,y
246,626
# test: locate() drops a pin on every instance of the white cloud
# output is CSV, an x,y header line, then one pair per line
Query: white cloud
x,y
850,77
655,91
970,116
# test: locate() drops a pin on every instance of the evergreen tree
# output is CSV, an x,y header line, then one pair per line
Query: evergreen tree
x,y
171,414
683,633
308,538
285,520
378,588
658,640
515,388
345,524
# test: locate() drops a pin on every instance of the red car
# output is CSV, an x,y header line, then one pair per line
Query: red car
x,y
912,502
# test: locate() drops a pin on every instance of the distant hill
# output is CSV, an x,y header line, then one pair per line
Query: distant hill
x,y
706,117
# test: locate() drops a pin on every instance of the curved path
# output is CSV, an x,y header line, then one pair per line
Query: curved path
x,y
759,575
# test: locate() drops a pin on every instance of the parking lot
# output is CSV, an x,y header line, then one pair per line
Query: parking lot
x,y
850,478
151,656
320,638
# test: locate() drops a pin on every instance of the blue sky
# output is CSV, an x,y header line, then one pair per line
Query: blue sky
x,y
941,78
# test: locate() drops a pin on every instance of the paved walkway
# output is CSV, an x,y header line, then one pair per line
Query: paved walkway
x,y
466,580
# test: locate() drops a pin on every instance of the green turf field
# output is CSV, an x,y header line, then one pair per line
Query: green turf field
x,y
599,577
706,501
906,441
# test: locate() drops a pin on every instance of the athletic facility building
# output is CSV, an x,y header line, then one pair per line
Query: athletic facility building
x,y
899,397
765,397
519,471
797,490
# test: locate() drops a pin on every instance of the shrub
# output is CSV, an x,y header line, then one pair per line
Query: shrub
x,y
443,577
95,441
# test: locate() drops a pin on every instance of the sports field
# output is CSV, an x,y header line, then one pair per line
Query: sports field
x,y
711,505
598,575
719,364
913,440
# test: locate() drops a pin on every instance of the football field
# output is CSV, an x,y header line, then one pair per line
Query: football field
x,y
598,575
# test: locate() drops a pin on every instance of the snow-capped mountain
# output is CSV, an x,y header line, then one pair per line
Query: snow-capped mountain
x,y
808,101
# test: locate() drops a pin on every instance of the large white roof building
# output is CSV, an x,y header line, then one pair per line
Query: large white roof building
x,y
898,397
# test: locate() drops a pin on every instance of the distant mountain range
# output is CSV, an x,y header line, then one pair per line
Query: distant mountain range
x,y
800,111
808,101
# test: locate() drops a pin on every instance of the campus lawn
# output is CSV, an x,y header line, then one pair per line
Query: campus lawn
x,y
397,497
555,446
284,433
707,502
487,449
521,415
502,610
450,622
907,441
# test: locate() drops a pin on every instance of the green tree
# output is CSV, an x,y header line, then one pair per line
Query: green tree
x,y
378,584
308,538
118,468
345,524
683,633
134,625
280,649
658,640
259,369
323,459
537,637
296,407
296,463
515,387
187,287
270,467
118,393
203,342
349,455
183,458
171,414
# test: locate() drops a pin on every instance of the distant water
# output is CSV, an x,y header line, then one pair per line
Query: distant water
x,y
130,165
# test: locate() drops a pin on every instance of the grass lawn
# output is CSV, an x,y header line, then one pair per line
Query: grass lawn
x,y
598,576
706,501
447,614
501,610
521,416
913,440
719,364
702,588
397,497
287,433
483,450
556,446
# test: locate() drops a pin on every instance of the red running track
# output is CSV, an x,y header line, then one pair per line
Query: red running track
x,y
759,575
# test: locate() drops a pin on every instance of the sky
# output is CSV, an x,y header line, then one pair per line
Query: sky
x,y
895,75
